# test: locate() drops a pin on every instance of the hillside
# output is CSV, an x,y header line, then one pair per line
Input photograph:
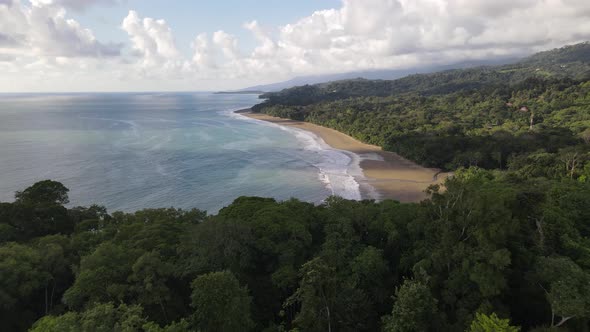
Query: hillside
x,y
487,116
567,62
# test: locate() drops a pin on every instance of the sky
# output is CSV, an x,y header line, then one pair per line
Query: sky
x,y
167,45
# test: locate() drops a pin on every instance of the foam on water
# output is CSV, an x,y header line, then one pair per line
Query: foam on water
x,y
339,170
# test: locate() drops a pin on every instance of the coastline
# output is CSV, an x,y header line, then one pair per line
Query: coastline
x,y
386,175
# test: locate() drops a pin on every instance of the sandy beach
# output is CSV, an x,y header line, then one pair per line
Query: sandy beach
x,y
392,176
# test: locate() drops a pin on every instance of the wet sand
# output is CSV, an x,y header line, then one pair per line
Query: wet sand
x,y
392,176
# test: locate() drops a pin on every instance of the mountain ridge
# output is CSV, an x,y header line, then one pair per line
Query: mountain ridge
x,y
457,118
377,74
568,62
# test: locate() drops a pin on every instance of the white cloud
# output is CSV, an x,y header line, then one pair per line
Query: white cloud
x,y
227,43
368,17
43,30
78,5
371,34
360,35
267,46
155,54
152,39
51,33
202,57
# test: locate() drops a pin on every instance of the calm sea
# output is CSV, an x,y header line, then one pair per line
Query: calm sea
x,y
146,150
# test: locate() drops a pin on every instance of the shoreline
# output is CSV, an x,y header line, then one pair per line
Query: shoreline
x,y
386,175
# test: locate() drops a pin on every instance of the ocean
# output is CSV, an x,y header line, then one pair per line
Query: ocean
x,y
130,151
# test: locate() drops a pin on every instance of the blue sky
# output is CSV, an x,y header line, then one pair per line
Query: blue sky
x,y
139,45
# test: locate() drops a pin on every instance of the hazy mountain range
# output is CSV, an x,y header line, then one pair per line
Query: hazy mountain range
x,y
384,74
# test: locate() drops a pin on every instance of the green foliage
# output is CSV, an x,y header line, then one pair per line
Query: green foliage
x,y
44,192
567,288
568,62
64,323
20,273
316,295
102,277
99,318
461,118
414,309
220,303
150,279
491,323
181,326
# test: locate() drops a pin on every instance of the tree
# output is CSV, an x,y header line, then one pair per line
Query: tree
x,y
316,294
180,326
107,317
7,233
20,273
215,245
585,135
55,265
369,272
44,192
150,275
492,323
567,288
414,308
65,323
465,246
99,318
28,220
102,276
220,303
572,159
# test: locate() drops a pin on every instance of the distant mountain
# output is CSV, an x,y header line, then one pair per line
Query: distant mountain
x,y
570,62
387,74
578,53
240,92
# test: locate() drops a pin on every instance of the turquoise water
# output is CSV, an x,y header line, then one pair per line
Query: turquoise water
x,y
147,150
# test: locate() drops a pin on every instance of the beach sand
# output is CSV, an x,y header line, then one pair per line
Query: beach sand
x,y
392,176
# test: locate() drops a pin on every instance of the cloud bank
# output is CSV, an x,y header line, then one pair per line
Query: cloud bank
x,y
42,30
39,37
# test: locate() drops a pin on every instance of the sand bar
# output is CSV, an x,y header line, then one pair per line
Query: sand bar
x,y
392,176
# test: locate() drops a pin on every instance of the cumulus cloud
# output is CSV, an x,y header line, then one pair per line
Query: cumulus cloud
x,y
267,46
369,34
51,33
227,43
78,5
151,39
377,34
359,35
43,30
365,34
202,57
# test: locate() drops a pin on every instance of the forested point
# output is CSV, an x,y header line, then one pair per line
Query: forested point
x,y
503,245
516,117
